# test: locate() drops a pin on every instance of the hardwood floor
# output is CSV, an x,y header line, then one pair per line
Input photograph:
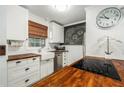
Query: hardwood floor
x,y
73,77
119,65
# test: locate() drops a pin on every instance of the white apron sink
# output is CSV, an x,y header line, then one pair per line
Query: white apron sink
x,y
47,55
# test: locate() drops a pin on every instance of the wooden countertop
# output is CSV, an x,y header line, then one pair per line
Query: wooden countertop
x,y
22,56
73,77
59,51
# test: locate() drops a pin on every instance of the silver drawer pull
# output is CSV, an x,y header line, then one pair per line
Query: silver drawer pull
x,y
27,69
18,62
27,80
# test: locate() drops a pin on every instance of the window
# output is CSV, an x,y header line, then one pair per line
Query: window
x,y
36,42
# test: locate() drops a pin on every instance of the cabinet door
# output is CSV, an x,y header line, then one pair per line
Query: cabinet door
x,y
17,23
56,33
43,69
51,66
61,37
3,71
47,67
65,59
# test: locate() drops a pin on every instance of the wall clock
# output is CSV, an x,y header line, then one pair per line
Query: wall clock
x,y
108,17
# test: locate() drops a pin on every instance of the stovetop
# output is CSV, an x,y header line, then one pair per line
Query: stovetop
x,y
103,67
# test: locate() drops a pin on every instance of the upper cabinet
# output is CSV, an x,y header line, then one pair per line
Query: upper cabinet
x,y
17,23
56,33
37,30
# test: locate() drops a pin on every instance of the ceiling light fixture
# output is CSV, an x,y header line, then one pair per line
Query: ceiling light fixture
x,y
61,7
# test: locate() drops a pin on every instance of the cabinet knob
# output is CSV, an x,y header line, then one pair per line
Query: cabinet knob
x,y
18,62
26,80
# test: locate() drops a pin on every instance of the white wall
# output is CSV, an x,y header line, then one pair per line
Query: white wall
x,y
25,48
3,63
75,52
94,33
2,25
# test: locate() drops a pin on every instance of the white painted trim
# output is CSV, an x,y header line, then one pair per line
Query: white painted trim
x,y
75,23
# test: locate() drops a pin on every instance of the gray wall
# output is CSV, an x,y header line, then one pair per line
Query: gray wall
x,y
74,34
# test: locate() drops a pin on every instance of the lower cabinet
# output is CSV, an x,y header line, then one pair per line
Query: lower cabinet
x,y
65,59
23,72
47,67
24,81
3,71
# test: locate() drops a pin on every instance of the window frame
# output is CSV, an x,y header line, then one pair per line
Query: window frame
x,y
42,42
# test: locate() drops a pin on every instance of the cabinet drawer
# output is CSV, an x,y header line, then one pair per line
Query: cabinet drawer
x,y
16,73
32,69
17,82
20,73
34,61
17,63
33,78
25,81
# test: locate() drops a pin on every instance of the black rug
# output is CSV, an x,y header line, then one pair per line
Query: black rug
x,y
103,67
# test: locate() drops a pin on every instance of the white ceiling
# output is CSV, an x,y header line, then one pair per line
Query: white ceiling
x,y
75,13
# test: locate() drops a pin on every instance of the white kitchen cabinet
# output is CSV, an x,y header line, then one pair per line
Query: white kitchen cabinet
x,y
47,67
3,71
23,72
65,59
24,81
2,25
16,22
3,63
56,33
75,53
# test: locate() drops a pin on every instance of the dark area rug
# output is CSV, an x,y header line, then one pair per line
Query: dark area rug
x,y
103,67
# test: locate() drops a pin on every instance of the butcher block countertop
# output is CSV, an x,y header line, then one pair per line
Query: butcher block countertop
x,y
59,51
22,56
73,77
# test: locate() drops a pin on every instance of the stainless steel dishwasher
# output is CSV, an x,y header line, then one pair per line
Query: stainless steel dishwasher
x,y
58,61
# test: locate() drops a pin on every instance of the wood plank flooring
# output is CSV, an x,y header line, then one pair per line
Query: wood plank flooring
x,y
73,77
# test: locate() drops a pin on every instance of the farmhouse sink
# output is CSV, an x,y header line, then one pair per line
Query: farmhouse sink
x,y
47,55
